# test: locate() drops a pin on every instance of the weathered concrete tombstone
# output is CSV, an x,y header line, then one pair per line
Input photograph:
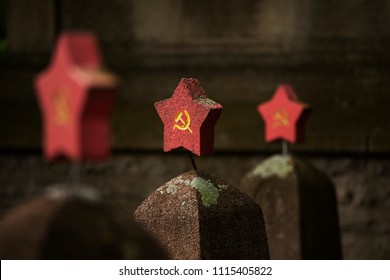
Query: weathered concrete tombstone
x,y
298,200
195,215
70,224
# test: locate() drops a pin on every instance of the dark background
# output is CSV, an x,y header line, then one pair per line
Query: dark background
x,y
334,53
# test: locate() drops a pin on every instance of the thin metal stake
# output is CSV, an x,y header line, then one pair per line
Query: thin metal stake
x,y
284,148
193,161
75,173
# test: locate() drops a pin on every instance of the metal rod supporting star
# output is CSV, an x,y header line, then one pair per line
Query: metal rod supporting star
x,y
75,173
192,161
284,147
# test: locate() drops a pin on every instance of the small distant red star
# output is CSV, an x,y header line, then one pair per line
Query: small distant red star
x,y
282,115
189,118
76,98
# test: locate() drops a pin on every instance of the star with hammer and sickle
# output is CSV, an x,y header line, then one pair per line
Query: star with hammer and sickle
x,y
283,115
189,118
76,98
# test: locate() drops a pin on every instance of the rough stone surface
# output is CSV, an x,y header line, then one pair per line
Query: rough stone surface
x,y
196,216
70,223
300,208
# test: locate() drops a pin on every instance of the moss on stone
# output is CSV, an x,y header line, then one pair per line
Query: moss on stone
x,y
206,101
160,190
179,180
172,189
279,166
207,190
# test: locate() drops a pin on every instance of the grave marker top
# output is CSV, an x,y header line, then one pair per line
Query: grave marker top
x,y
189,118
283,115
76,98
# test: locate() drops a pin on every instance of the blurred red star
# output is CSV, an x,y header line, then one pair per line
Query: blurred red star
x,y
283,116
189,118
76,98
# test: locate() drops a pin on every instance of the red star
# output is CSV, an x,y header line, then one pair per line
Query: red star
x,y
283,115
189,118
76,98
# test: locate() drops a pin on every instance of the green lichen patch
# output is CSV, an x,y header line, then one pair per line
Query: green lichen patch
x,y
180,181
172,185
279,166
171,189
160,190
206,102
207,190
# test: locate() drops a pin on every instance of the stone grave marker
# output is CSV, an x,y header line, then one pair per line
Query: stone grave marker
x,y
70,224
195,215
298,200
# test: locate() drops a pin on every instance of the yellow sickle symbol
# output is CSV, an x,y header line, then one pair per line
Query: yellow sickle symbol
x,y
61,108
280,118
185,125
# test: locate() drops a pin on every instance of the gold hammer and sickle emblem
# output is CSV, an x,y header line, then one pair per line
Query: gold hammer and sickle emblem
x,y
61,108
185,124
280,118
